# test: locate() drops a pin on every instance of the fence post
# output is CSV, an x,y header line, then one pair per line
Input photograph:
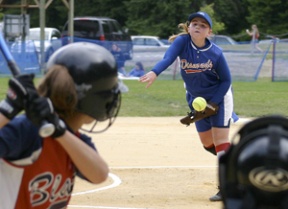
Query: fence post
x,y
273,58
261,63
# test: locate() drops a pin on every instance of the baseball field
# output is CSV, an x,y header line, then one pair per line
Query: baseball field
x,y
156,163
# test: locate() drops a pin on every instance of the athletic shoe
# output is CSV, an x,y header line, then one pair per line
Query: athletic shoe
x,y
216,197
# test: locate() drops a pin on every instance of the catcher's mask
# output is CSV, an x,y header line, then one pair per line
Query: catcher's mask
x,y
253,173
94,71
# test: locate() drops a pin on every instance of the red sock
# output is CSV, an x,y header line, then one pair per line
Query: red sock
x,y
222,147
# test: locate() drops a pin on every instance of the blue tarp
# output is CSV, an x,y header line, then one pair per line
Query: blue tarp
x,y
25,55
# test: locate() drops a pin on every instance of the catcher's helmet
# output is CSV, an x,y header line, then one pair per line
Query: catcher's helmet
x,y
253,173
94,71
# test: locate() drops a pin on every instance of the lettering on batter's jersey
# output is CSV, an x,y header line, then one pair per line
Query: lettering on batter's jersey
x,y
196,67
47,187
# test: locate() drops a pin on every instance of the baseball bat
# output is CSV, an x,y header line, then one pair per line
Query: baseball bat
x,y
46,129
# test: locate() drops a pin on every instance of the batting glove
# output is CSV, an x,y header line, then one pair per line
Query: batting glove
x,y
40,109
16,95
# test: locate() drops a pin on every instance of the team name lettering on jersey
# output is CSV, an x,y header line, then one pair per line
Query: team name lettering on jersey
x,y
197,67
47,187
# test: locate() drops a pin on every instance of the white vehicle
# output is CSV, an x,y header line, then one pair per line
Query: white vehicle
x,y
52,41
148,42
222,40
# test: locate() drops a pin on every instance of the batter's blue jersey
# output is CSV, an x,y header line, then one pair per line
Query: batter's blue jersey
x,y
204,70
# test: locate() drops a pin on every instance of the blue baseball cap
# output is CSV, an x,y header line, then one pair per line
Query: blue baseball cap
x,y
203,15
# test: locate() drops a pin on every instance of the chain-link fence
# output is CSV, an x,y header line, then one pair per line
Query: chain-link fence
x,y
245,63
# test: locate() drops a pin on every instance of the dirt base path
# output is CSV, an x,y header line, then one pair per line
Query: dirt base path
x,y
155,163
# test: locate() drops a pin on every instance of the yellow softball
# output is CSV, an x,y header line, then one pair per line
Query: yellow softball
x,y
199,104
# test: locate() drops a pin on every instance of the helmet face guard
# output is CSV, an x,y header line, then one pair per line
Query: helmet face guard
x,y
102,105
253,173
100,100
94,72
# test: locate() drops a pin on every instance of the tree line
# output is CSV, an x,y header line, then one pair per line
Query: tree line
x,y
161,17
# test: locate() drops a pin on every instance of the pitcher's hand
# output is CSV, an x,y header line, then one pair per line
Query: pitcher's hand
x,y
148,78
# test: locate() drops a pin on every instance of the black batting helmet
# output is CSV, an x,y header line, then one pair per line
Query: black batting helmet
x,y
253,173
94,71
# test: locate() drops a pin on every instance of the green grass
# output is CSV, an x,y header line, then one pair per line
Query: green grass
x,y
163,98
167,98
260,98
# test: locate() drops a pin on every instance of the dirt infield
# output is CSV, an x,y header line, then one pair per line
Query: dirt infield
x,y
155,163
